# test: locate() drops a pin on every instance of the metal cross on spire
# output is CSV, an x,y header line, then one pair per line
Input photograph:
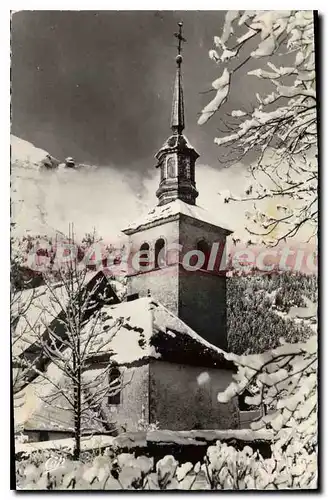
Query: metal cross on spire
x,y
180,37
177,117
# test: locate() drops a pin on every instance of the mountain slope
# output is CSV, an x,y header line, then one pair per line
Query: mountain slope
x,y
46,195
26,155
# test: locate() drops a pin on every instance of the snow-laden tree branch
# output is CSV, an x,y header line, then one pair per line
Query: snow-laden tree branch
x,y
283,382
281,129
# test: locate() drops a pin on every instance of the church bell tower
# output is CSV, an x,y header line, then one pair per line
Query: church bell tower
x,y
177,248
177,158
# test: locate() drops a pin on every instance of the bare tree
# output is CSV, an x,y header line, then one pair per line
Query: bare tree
x,y
68,332
20,302
281,129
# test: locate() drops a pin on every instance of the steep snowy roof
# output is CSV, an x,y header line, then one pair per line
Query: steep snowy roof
x,y
172,210
43,305
148,330
40,308
131,333
144,329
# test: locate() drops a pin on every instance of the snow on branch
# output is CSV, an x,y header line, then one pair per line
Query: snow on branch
x,y
283,382
283,123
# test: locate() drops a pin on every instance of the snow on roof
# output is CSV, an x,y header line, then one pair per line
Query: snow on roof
x,y
131,332
149,330
131,440
129,340
203,437
42,306
174,209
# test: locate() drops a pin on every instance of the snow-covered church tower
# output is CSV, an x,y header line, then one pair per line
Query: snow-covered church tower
x,y
177,247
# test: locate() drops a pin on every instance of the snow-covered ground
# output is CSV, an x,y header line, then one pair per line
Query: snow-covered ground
x,y
67,445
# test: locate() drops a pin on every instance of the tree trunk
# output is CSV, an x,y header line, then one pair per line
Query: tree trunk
x,y
77,435
77,410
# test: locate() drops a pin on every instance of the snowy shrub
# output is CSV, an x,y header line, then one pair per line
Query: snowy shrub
x,y
286,381
228,468
223,467
20,438
283,384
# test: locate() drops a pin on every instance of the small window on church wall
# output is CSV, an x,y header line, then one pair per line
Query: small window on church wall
x,y
144,256
171,167
243,406
160,254
204,247
114,388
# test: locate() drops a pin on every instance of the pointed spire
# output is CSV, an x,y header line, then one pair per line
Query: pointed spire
x,y
176,159
177,118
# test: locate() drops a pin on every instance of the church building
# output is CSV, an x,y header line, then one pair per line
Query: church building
x,y
196,296
169,350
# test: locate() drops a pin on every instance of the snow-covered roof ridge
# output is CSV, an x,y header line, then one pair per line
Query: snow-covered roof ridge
x,y
173,210
154,332
150,331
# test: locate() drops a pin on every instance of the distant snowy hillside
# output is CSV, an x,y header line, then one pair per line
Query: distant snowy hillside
x,y
25,155
47,196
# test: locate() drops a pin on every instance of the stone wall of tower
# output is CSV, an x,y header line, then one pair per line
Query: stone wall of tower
x,y
202,294
197,297
163,284
202,306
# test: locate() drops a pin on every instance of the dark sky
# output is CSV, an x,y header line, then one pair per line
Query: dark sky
x,y
98,85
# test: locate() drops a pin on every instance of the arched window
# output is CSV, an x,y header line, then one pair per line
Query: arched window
x,y
204,247
114,389
162,167
144,256
171,167
160,254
